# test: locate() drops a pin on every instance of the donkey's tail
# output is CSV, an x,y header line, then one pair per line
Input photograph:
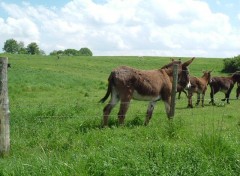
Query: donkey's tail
x,y
110,81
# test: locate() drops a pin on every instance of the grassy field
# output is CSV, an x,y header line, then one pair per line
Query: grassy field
x,y
55,123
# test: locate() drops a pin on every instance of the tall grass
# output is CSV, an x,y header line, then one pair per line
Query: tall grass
x,y
55,123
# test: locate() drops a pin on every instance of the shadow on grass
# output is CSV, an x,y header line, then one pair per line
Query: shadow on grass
x,y
93,124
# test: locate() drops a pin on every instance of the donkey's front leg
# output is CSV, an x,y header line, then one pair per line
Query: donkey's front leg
x,y
212,97
168,107
198,99
150,109
203,95
190,100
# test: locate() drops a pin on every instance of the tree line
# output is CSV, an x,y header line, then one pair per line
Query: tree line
x,y
231,65
14,47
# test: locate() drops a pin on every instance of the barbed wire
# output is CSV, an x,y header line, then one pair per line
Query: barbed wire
x,y
31,104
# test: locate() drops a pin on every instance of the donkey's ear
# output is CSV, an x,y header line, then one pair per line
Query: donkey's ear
x,y
187,63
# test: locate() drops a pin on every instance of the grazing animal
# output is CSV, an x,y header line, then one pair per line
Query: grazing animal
x,y
238,90
199,86
223,84
126,83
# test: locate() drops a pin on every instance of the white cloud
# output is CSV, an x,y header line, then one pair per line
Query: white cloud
x,y
120,27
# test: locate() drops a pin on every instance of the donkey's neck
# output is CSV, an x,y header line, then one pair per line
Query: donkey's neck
x,y
168,73
206,78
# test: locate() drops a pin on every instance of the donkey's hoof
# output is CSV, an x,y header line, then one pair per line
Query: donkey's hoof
x,y
190,106
223,99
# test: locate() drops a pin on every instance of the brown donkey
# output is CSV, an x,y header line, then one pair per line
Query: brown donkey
x,y
126,83
224,84
199,86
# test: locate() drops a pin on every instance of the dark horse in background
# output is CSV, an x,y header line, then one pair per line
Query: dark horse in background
x,y
223,84
126,83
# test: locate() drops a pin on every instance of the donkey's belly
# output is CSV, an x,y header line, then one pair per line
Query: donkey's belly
x,y
138,96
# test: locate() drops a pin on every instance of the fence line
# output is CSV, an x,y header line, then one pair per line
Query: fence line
x,y
182,99
4,109
86,110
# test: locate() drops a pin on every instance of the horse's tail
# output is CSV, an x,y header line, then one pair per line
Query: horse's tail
x,y
110,82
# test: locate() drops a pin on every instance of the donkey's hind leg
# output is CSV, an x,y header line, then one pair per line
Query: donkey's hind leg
x,y
150,109
108,108
125,102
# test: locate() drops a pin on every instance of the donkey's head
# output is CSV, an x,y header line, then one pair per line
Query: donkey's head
x,y
207,76
183,72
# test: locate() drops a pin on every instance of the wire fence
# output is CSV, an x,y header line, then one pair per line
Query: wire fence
x,y
137,108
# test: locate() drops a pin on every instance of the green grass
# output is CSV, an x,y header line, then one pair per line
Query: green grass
x,y
55,123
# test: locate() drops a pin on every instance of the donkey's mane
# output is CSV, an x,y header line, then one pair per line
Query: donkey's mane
x,y
171,64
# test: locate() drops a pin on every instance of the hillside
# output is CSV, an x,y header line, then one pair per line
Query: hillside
x,y
55,123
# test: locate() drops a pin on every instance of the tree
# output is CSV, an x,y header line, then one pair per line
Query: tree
x,y
231,64
33,48
21,48
71,52
11,46
85,52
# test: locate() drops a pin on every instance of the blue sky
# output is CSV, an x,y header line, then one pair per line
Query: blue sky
x,y
198,28
230,8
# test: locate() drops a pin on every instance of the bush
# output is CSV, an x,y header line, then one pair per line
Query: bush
x,y
231,64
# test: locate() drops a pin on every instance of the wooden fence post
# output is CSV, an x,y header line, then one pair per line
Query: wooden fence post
x,y
174,90
4,109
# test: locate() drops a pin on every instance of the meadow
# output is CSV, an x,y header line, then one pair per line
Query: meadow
x,y
56,117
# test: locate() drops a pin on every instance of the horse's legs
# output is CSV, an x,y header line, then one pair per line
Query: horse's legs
x,y
125,101
212,93
179,94
167,103
190,94
203,95
185,93
150,109
108,108
227,95
198,99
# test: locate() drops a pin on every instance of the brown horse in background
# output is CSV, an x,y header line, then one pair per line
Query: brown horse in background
x,y
126,83
199,86
224,84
